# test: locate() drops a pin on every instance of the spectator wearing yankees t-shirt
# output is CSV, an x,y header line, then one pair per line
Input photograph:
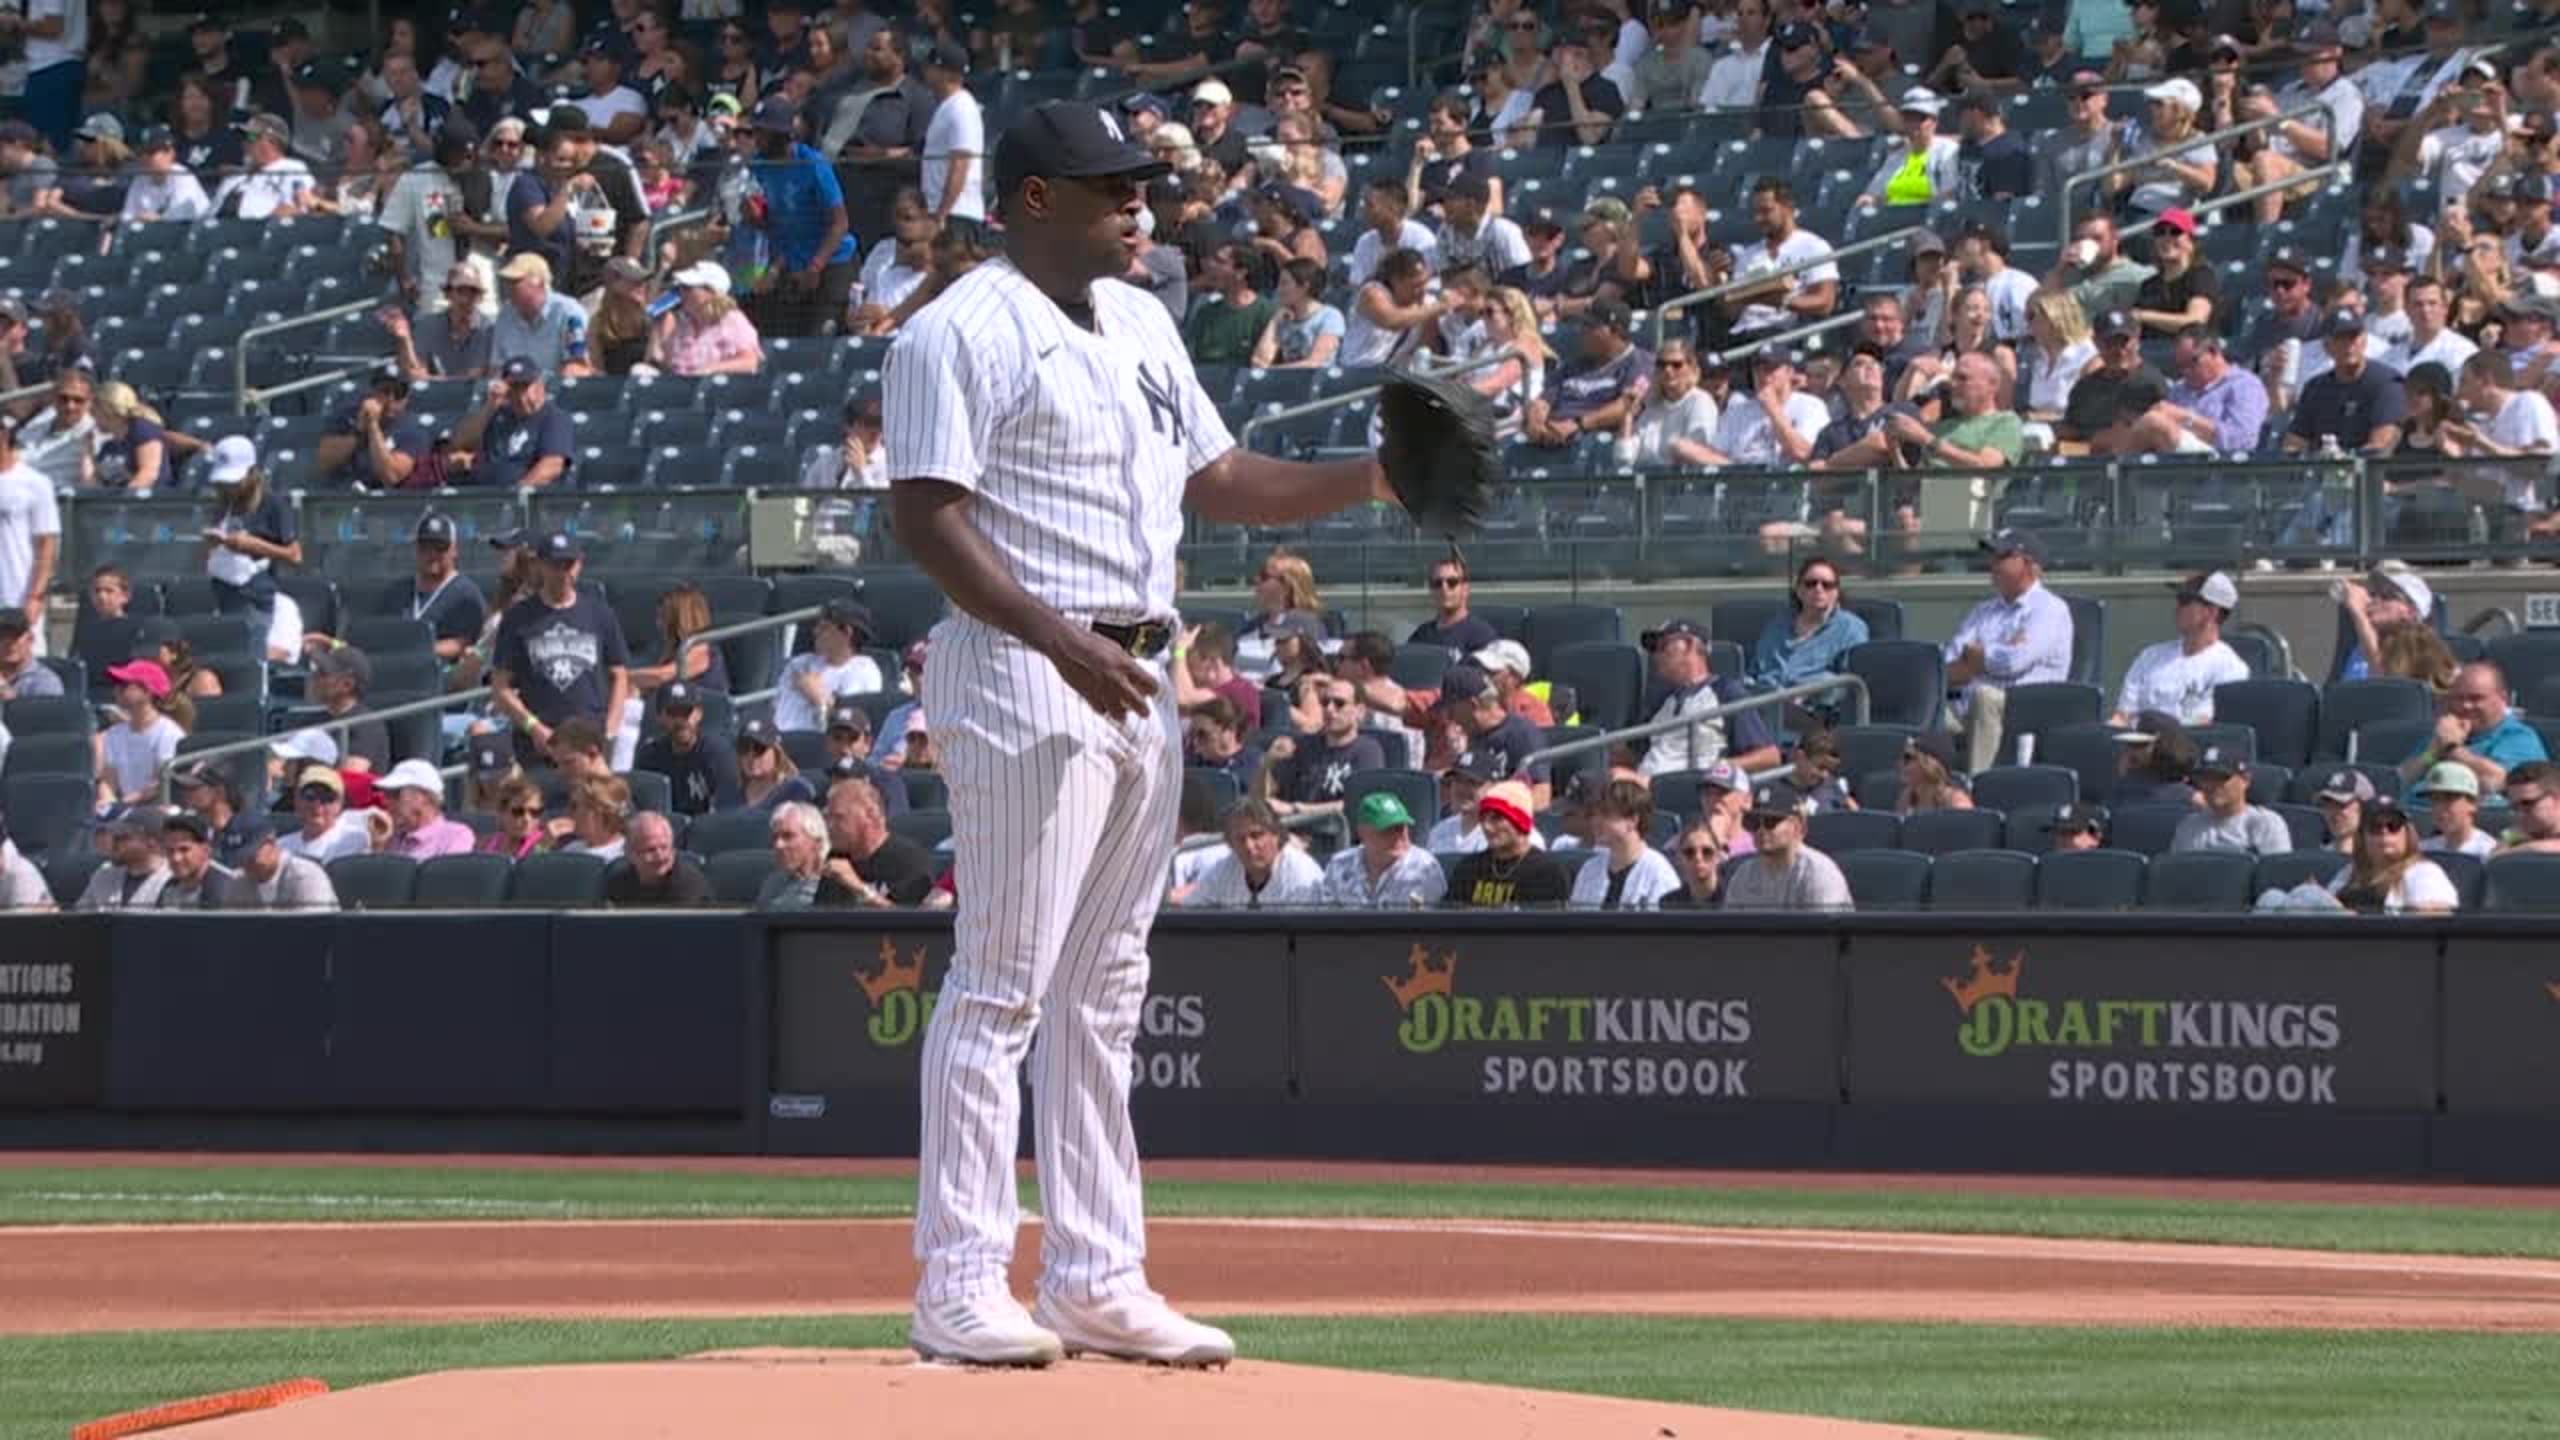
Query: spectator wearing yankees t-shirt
x,y
702,775
560,653
1305,774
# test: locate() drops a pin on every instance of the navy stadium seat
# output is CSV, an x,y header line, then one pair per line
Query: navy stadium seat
x,y
1885,879
2294,867
2199,880
2347,705
47,813
1607,678
2090,879
464,882
2146,829
2026,787
1942,832
1552,626
2035,709
558,878
1982,880
2284,713
374,882
737,876
1837,832
2529,880
1906,681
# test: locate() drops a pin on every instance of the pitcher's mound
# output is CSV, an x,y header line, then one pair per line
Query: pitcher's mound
x,y
751,1395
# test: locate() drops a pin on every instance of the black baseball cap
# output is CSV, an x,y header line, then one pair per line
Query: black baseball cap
x,y
775,114
492,755
558,548
2071,819
851,614
678,695
1609,314
2014,542
1463,682
1070,140
519,371
1473,765
2287,257
2115,322
849,715
1796,33
434,529
760,733
2386,257
2221,760
949,55
2345,320
188,823
1652,639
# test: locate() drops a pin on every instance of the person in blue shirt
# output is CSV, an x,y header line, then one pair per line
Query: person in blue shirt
x,y
800,208
2479,730
1808,639
374,445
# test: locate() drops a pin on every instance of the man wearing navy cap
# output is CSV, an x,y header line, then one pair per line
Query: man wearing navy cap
x,y
518,438
2356,403
2113,394
266,877
1502,739
440,596
373,444
803,220
702,772
559,654
2020,636
1680,662
613,109
1045,433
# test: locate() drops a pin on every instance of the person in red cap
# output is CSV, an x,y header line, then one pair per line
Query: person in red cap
x,y
1509,870
2180,293
132,754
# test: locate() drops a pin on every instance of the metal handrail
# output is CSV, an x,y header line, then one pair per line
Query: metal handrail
x,y
1854,684
1662,312
2274,638
2315,175
2328,124
242,395
1336,401
742,627
1789,337
338,725
661,226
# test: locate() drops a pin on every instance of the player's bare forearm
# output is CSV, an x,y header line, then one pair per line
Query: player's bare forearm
x,y
932,519
1242,488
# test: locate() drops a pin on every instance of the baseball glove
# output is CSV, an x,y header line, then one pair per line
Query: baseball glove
x,y
1436,446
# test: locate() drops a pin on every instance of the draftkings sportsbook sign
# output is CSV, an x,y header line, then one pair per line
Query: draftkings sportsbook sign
x,y
2297,1023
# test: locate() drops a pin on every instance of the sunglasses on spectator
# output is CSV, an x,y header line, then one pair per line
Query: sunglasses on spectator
x,y
1764,820
2283,282
1447,582
1816,582
527,812
318,794
2527,802
1331,702
1670,364
2385,825
1700,852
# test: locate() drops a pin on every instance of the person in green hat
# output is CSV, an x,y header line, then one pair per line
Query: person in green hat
x,y
1386,867
2452,793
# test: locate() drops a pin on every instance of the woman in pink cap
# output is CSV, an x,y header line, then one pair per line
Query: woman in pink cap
x,y
132,754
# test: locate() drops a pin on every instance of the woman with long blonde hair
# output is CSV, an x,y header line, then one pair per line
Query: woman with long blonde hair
x,y
706,334
133,445
2058,349
1285,585
1510,321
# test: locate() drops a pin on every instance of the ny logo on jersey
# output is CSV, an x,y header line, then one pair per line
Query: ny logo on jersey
x,y
1163,410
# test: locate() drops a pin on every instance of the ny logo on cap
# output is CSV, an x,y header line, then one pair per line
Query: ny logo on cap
x,y
1111,123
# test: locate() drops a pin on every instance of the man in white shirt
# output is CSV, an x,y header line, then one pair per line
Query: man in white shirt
x,y
1461,831
1261,870
1733,82
2020,636
1983,253
275,186
30,532
955,139
2452,793
1807,294
2177,676
1679,651
1384,206
2429,340
615,111
1469,235
2518,422
2466,135
1776,424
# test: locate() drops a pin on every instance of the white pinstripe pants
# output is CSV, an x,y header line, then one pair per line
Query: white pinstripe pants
x,y
1062,829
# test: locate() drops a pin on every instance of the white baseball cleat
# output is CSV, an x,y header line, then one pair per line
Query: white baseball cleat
x,y
984,1330
1134,1327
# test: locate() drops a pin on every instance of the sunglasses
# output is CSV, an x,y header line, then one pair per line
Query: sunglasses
x,y
2527,802
2284,282
2385,825
527,812
1766,819
1447,582
1700,852
319,795
1330,703
1671,365
1815,582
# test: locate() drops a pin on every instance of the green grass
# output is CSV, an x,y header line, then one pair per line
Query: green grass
x,y
180,1194
2098,1384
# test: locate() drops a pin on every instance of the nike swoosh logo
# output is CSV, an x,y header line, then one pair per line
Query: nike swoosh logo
x,y
1047,352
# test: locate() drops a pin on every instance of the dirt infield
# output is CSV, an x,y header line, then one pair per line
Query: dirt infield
x,y
114,1277
751,1394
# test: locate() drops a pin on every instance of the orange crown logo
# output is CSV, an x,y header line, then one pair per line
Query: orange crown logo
x,y
894,975
1986,980
1422,977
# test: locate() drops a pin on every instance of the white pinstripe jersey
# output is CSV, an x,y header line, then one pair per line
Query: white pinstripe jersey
x,y
1076,444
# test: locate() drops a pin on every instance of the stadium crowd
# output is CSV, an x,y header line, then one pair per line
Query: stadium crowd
x,y
2370,269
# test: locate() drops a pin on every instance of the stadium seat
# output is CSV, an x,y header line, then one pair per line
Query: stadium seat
x,y
1607,678
1416,788
1838,832
722,831
926,790
1982,880
374,882
808,751
2146,829
2284,713
2283,872
737,876
2309,828
1419,667
1878,789
2529,880
904,604
2531,660
246,714
557,878
1550,627
1562,770
2088,637
1740,620
2036,709
1906,681
2026,787
50,754
1883,617
2090,879
1511,622
651,793
464,882
66,714
1943,832
1220,784
2199,880
47,813
2270,784
1885,879
2469,874
2348,705
928,827
801,592
1865,749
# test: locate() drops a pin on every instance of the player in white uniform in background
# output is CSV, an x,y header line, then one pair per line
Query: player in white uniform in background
x,y
1045,431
